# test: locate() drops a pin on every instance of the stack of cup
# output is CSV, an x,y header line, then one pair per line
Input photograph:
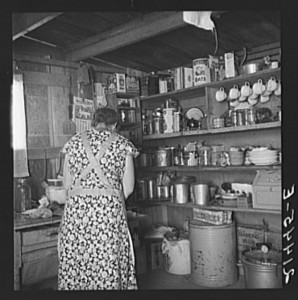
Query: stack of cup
x,y
236,156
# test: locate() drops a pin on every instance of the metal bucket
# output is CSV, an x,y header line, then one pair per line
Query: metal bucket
x,y
213,254
200,193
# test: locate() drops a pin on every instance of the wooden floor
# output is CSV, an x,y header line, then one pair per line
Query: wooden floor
x,y
157,279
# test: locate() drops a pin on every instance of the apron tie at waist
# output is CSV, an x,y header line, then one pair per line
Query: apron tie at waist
x,y
93,192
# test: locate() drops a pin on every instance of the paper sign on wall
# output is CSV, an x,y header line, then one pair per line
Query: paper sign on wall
x,y
83,110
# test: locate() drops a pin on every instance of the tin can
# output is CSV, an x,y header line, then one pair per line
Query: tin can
x,y
240,117
151,188
149,126
250,117
157,125
218,122
234,118
177,121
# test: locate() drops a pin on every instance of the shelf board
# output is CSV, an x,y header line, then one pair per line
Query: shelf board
x,y
185,93
214,131
127,95
227,83
209,168
191,205
126,107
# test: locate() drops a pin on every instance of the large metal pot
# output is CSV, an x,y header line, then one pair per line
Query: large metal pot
x,y
262,269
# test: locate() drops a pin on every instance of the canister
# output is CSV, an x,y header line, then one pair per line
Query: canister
x,y
157,125
151,188
250,117
162,192
240,117
162,157
141,189
177,121
218,123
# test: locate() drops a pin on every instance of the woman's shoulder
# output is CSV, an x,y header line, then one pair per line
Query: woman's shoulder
x,y
126,145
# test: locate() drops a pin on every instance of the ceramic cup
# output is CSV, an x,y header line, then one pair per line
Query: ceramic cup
x,y
235,103
277,92
264,98
246,90
242,98
234,92
258,87
252,101
272,84
220,95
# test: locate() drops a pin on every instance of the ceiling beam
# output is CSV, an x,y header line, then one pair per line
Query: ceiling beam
x,y
23,23
135,31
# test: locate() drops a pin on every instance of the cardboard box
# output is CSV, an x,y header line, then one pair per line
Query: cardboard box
x,y
132,84
229,65
116,83
141,259
212,217
201,71
266,190
187,74
154,254
248,237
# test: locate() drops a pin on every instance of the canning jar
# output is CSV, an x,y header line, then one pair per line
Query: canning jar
x,y
22,195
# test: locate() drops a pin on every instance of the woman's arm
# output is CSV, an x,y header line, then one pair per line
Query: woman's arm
x,y
67,178
128,180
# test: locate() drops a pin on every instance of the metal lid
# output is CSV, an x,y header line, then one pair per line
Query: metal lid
x,y
184,179
263,256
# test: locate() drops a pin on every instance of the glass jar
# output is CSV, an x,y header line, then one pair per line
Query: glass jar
x,y
22,195
204,155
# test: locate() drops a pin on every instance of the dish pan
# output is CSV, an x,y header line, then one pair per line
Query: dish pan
x,y
194,113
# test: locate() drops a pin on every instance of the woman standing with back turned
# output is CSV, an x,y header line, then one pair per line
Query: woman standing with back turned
x,y
94,244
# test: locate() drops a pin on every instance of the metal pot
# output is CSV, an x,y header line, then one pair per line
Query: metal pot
x,y
250,68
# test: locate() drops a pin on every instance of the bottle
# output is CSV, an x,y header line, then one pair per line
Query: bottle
x,y
22,195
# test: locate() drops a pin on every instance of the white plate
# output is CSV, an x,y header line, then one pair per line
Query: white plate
x,y
194,113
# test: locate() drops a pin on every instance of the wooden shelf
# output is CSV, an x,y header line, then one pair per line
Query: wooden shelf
x,y
232,129
227,83
209,168
191,205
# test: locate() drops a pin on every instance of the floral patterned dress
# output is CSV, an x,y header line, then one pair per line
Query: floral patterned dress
x,y
95,251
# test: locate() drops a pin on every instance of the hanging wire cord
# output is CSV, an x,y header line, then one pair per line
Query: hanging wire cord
x,y
216,40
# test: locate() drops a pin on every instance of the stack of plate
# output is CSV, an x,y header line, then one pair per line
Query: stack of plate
x,y
263,156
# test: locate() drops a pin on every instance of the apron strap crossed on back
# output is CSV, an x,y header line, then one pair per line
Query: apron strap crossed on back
x,y
94,164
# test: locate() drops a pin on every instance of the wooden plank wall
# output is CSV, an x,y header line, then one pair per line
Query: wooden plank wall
x,y
46,90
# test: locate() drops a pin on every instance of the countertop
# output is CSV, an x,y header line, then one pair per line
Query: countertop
x,y
21,221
